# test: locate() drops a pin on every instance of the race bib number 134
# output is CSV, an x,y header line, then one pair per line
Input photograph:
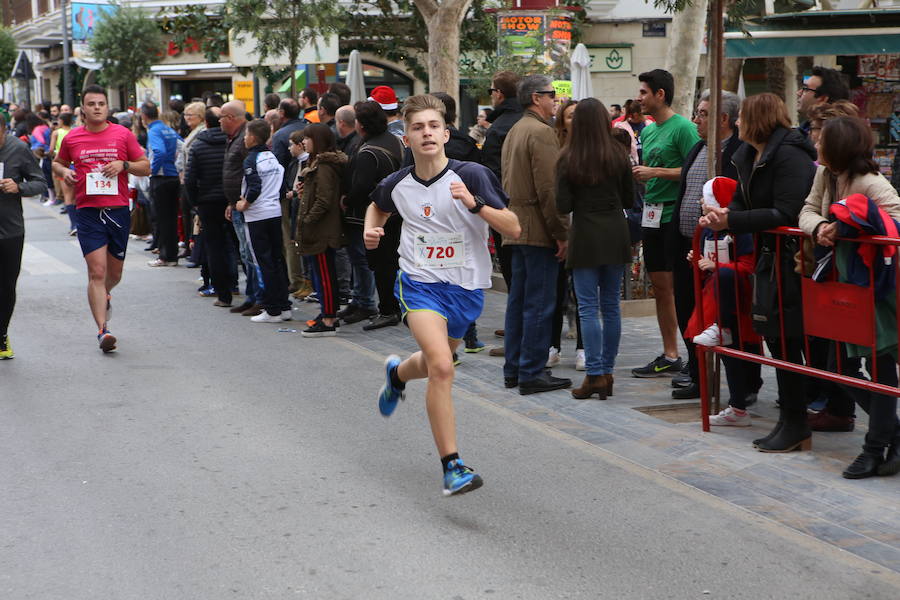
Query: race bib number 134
x,y
440,250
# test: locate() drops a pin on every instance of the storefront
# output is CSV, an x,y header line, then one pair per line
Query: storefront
x,y
864,45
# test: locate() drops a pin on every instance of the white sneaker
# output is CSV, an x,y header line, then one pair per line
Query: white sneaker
x,y
730,418
579,360
553,357
265,317
287,315
713,336
162,263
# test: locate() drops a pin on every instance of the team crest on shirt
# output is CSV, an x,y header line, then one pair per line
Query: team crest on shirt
x,y
427,210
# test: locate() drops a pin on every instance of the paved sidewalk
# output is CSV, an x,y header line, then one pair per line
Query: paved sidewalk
x,y
801,490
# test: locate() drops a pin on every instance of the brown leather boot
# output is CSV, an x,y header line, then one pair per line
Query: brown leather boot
x,y
592,384
609,384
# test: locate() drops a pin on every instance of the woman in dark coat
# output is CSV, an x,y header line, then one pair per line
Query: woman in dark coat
x,y
319,221
594,183
775,173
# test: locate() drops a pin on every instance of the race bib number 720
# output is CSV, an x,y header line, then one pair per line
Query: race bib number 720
x,y
440,250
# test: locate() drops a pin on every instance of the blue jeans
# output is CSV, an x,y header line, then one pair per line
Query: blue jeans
x,y
529,311
250,268
597,290
363,293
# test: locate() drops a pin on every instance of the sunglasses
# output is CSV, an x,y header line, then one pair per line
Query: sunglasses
x,y
492,90
551,93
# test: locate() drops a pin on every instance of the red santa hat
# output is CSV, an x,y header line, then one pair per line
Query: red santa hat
x,y
385,97
718,191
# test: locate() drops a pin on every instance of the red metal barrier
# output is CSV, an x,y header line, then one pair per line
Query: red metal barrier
x,y
832,310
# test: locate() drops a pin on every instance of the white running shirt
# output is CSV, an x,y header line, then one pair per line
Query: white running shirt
x,y
437,228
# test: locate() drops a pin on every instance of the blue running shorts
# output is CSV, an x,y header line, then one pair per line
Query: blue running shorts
x,y
459,306
98,227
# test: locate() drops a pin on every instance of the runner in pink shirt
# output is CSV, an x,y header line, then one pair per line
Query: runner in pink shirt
x,y
103,154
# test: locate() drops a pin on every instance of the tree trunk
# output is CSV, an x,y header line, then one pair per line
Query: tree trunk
x,y
684,50
443,19
775,75
731,74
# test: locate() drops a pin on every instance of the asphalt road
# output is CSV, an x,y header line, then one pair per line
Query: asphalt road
x,y
211,457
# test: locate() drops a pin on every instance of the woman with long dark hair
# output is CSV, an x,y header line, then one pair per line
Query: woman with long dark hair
x,y
319,221
594,183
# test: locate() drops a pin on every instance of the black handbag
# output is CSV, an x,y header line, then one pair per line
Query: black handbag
x,y
764,310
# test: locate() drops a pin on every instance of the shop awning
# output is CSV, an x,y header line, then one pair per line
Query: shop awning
x,y
813,32
300,76
837,42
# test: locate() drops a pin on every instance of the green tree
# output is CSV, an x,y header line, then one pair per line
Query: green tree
x,y
283,27
201,24
8,54
126,42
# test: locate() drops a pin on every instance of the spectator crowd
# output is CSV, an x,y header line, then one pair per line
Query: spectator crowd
x,y
282,199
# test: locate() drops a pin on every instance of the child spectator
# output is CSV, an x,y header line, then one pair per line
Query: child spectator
x,y
727,263
319,221
261,207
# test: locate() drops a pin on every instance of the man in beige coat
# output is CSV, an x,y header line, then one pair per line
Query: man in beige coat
x,y
529,178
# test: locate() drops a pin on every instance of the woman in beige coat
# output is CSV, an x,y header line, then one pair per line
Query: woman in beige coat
x,y
845,149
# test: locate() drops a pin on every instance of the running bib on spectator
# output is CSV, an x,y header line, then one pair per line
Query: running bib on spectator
x,y
652,217
709,250
98,185
440,250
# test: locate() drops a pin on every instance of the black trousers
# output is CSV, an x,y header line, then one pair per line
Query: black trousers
x,y
884,427
10,265
268,248
323,269
683,282
164,191
504,254
384,261
743,377
562,305
215,240
791,386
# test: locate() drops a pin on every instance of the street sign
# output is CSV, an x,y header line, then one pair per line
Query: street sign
x,y
610,60
243,91
563,89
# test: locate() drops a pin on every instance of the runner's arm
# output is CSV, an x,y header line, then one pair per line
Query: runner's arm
x,y
373,229
502,219
139,167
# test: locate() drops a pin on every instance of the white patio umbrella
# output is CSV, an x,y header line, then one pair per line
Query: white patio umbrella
x,y
355,78
581,73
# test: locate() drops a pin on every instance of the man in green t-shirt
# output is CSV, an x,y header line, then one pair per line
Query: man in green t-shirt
x,y
666,143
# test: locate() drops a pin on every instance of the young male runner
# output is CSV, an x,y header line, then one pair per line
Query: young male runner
x,y
103,155
447,206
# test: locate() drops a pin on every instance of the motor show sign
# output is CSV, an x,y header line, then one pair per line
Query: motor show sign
x,y
544,35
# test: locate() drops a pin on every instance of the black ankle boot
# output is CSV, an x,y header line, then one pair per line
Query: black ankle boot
x,y
891,464
865,465
794,434
773,433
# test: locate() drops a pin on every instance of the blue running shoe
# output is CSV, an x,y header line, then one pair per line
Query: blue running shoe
x,y
389,396
106,340
459,479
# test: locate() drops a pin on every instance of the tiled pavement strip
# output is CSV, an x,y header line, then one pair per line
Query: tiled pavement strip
x,y
800,490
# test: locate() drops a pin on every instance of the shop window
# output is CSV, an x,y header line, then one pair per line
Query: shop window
x,y
375,75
